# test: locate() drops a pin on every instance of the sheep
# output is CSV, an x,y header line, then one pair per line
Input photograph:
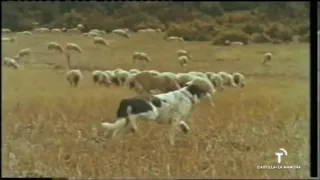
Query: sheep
x,y
121,76
169,74
92,34
183,78
144,82
121,32
101,78
227,79
140,56
174,38
74,47
216,80
56,30
12,39
238,79
10,62
183,60
199,74
100,40
205,84
24,52
24,33
182,52
6,30
134,71
55,46
267,57
113,77
237,43
74,76
80,26
41,30
73,30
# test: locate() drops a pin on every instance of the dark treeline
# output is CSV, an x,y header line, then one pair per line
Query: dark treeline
x,y
243,21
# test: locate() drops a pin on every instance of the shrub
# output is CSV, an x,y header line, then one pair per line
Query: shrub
x,y
231,35
260,38
252,27
279,31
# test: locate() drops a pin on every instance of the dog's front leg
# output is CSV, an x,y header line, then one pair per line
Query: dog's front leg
x,y
172,132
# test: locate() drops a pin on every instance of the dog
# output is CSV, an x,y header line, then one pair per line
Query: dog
x,y
172,108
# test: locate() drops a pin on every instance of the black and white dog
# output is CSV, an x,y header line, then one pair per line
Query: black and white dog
x,y
173,108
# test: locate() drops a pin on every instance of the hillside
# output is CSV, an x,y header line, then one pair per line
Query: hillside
x,y
200,21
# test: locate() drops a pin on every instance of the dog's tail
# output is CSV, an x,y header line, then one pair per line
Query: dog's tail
x,y
120,123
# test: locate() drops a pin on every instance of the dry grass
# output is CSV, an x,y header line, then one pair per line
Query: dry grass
x,y
48,127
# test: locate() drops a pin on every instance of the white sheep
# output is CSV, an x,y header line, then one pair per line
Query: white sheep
x,y
239,79
6,30
183,60
216,80
101,41
238,43
134,71
227,79
6,39
169,74
121,76
55,46
101,78
183,78
74,76
267,57
140,56
24,52
200,74
56,30
10,62
41,30
112,77
182,52
73,47
73,30
121,32
24,33
92,34
174,38
80,26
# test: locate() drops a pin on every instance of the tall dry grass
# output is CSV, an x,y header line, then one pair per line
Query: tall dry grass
x,y
52,129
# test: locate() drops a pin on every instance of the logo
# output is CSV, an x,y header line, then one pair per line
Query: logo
x,y
279,154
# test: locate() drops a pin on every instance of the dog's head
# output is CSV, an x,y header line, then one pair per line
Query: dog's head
x,y
200,90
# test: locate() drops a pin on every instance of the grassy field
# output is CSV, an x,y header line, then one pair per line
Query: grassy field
x,y
51,129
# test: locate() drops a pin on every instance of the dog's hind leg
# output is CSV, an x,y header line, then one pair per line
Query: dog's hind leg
x,y
172,132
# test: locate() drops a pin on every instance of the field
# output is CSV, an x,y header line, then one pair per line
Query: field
x,y
52,129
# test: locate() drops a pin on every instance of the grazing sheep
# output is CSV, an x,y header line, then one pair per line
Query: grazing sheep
x,y
112,77
153,72
121,32
174,38
199,74
237,43
101,78
101,41
56,30
12,39
238,79
6,30
169,74
80,26
24,33
183,78
144,82
227,79
10,62
73,47
41,30
182,52
92,34
216,80
267,57
134,71
183,60
74,76
122,76
24,52
55,46
140,56
73,30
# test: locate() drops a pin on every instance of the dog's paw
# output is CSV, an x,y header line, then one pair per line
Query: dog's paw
x,y
184,127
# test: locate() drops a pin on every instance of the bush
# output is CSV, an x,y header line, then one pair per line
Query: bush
x,y
252,27
260,38
231,35
279,31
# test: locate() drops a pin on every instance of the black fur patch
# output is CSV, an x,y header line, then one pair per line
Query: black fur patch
x,y
156,101
138,105
195,90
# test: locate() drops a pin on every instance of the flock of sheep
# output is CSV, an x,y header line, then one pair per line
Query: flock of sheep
x,y
145,81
